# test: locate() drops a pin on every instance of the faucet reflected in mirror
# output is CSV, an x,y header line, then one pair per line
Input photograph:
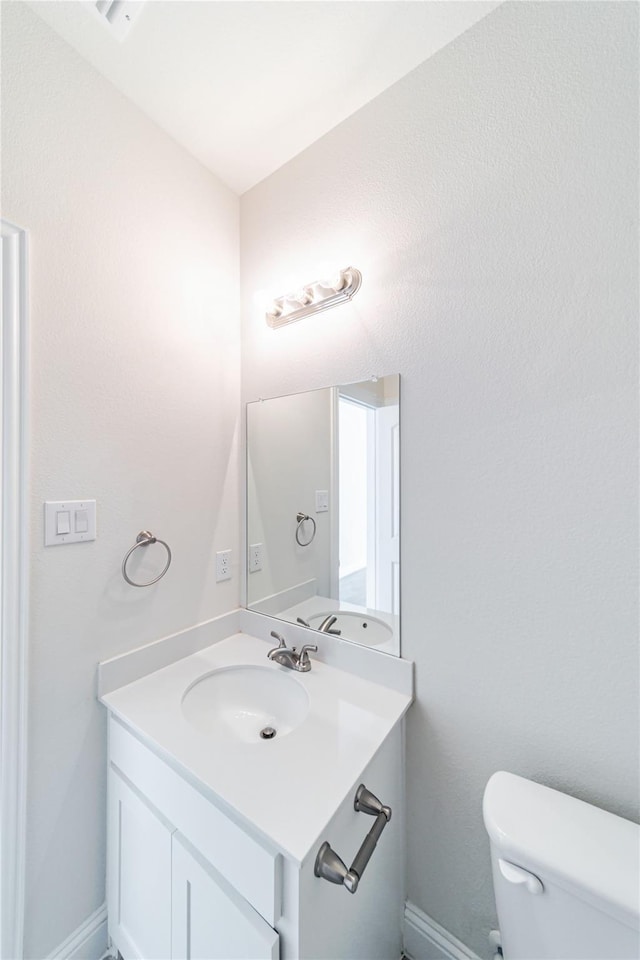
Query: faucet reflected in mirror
x,y
331,457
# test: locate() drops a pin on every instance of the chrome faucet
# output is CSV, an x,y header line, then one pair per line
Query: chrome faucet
x,y
290,657
326,625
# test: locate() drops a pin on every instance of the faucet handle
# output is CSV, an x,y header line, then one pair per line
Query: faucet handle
x,y
327,626
282,643
304,654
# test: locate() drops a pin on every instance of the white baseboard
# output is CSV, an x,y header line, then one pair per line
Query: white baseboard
x,y
424,939
88,942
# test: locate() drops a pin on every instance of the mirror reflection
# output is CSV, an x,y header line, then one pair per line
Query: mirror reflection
x,y
323,510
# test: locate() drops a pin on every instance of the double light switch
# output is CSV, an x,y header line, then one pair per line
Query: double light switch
x,y
69,521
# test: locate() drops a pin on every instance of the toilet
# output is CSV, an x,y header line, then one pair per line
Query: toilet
x,y
566,875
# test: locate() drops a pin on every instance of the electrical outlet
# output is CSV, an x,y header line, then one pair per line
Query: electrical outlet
x,y
223,565
255,557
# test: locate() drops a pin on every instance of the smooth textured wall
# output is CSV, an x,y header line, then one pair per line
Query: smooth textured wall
x,y
135,402
490,199
289,457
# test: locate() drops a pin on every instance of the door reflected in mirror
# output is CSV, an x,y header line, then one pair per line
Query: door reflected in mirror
x,y
323,510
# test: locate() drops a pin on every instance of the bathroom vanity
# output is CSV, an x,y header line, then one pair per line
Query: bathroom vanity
x,y
214,832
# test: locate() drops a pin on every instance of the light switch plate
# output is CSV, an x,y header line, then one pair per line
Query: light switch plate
x,y
322,501
77,518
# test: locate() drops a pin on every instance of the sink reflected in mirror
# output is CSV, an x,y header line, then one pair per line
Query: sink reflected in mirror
x,y
354,626
323,509
245,702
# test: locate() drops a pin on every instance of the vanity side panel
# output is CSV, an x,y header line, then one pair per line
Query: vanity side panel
x,y
288,926
335,924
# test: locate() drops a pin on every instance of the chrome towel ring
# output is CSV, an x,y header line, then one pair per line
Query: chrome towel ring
x,y
301,517
143,539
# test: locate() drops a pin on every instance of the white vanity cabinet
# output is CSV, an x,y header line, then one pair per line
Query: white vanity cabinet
x,y
165,900
209,919
185,881
139,874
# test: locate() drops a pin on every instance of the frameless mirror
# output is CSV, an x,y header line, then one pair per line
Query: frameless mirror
x,y
323,510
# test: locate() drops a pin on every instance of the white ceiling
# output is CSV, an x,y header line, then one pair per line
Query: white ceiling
x,y
245,85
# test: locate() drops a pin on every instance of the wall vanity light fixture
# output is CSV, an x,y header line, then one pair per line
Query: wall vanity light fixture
x,y
316,296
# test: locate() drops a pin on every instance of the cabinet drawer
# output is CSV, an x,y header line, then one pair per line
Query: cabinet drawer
x,y
250,868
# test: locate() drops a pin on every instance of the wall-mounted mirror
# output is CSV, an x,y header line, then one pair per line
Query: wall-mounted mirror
x,y
323,510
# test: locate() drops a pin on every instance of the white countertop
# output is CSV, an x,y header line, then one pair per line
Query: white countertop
x,y
288,788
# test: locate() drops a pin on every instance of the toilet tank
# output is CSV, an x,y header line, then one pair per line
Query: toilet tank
x,y
566,875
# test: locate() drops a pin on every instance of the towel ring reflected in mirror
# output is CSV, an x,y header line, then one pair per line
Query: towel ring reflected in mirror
x,y
302,518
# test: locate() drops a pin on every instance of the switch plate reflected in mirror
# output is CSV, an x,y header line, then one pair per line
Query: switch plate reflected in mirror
x,y
323,505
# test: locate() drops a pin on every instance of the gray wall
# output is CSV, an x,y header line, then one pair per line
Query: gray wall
x,y
134,360
490,199
288,459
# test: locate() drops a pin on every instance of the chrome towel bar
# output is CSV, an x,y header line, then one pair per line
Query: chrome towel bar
x,y
329,866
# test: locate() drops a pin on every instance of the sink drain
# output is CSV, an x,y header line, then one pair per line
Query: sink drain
x,y
267,733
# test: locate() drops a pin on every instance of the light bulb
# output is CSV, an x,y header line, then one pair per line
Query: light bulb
x,y
275,309
340,281
304,296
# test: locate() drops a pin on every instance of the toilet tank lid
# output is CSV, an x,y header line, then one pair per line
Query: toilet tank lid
x,y
594,853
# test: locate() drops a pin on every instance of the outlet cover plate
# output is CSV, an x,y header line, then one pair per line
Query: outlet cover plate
x,y
223,565
255,557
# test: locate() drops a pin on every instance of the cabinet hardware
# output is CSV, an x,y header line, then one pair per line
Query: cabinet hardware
x,y
329,866
144,538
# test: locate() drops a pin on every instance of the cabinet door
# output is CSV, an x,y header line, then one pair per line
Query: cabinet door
x,y
138,875
210,920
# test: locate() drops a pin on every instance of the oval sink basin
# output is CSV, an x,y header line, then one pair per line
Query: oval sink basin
x,y
243,701
356,626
